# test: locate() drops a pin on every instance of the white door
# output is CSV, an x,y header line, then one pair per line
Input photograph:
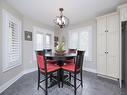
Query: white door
x,y
101,46
113,46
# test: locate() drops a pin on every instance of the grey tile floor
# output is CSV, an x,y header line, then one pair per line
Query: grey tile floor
x,y
93,85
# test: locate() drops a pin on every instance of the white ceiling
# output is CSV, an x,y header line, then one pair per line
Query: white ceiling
x,y
78,11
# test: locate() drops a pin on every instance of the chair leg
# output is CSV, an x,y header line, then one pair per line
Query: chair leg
x,y
81,79
58,78
62,72
46,85
50,77
38,79
74,84
69,76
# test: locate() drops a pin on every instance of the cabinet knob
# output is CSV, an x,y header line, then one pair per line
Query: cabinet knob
x,y
106,52
106,30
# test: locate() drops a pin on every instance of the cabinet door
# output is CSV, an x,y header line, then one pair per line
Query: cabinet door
x,y
123,14
113,46
101,45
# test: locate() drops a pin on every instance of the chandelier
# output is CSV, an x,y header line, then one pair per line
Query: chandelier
x,y
61,20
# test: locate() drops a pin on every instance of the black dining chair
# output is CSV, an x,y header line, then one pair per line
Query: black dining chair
x,y
48,50
70,60
45,68
75,68
51,60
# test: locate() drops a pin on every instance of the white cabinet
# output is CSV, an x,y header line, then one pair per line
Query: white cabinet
x,y
123,12
108,45
101,45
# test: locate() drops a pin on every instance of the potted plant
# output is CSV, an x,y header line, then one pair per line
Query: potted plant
x,y
60,48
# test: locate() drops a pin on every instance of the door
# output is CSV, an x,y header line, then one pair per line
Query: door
x,y
125,70
101,45
113,46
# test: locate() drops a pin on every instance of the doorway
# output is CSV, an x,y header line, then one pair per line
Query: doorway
x,y
124,54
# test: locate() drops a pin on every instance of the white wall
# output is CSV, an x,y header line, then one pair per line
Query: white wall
x,y
6,76
27,46
88,65
28,25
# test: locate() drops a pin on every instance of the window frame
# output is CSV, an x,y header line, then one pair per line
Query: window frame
x,y
44,32
50,41
42,39
90,34
6,16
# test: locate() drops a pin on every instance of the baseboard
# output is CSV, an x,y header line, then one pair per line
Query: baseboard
x,y
107,77
10,82
29,71
90,70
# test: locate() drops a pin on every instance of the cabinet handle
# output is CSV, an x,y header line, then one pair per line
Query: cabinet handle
x,y
106,30
106,52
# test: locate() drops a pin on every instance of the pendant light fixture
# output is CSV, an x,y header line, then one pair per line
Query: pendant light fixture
x,y
61,21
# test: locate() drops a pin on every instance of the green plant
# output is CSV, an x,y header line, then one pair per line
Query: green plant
x,y
60,47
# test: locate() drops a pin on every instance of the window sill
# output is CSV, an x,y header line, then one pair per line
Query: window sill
x,y
10,67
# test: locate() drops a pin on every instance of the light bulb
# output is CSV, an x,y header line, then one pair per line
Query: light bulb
x,y
63,20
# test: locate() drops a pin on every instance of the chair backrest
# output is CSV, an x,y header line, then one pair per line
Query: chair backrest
x,y
48,50
79,60
41,61
72,50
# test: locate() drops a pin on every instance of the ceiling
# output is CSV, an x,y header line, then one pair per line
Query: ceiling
x,y
78,11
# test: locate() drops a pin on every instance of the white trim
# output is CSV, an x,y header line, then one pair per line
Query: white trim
x,y
45,32
110,14
122,6
11,67
120,65
90,70
107,77
29,71
10,82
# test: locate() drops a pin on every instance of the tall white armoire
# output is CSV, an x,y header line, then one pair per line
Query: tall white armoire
x,y
108,45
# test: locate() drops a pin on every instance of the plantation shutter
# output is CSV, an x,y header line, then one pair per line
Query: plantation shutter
x,y
11,41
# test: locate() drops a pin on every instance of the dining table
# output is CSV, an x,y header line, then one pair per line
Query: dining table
x,y
60,58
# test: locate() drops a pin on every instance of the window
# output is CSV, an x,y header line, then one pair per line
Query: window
x,y
48,41
39,41
73,40
81,39
42,39
11,41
